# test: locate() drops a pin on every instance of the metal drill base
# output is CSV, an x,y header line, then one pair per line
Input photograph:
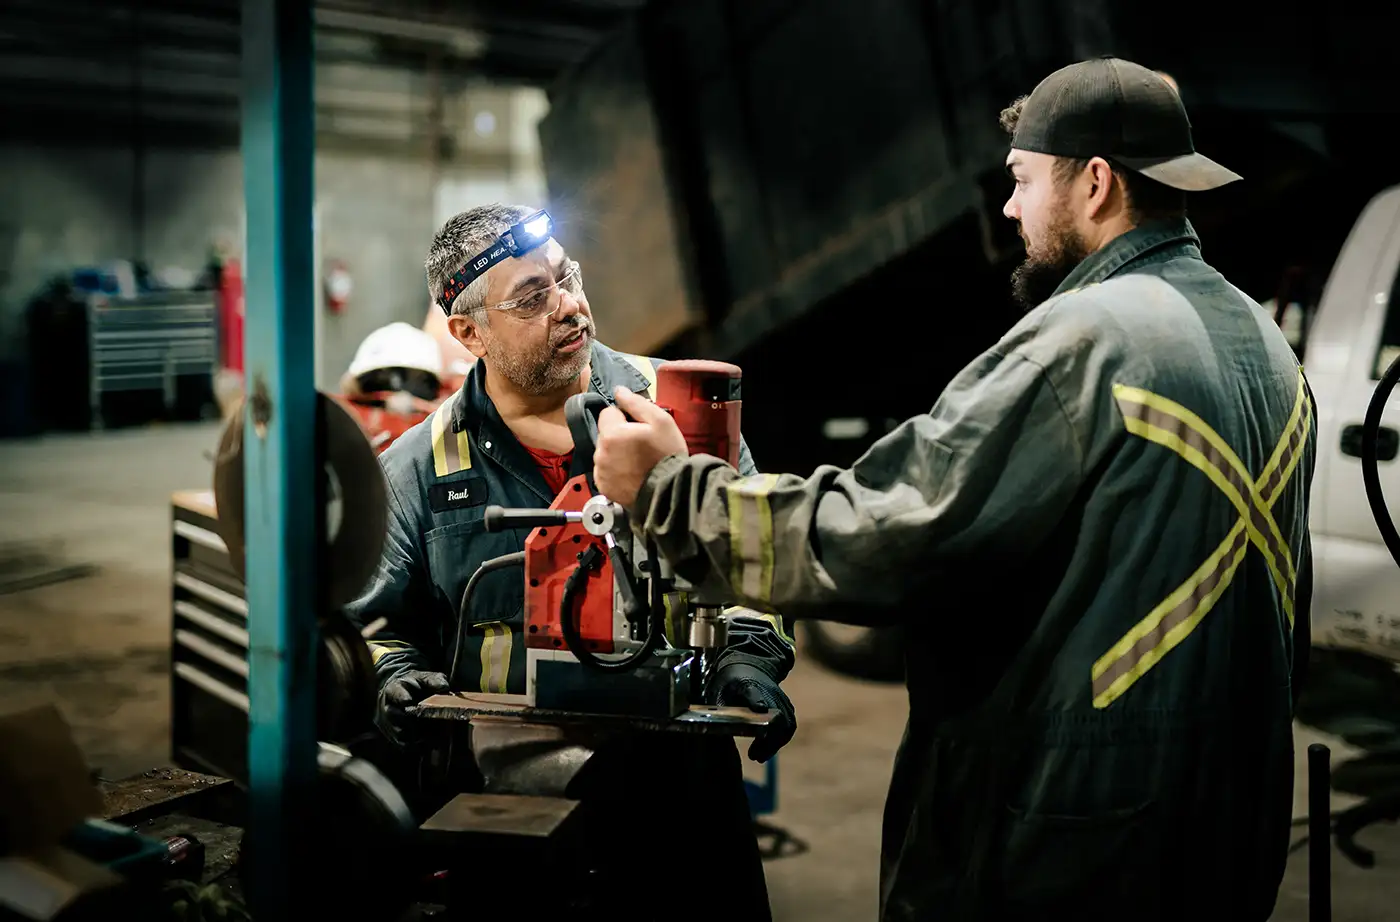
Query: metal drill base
x,y
659,687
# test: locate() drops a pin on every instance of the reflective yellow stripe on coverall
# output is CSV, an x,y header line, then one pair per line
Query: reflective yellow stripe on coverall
x,y
751,535
378,649
451,450
1171,425
495,657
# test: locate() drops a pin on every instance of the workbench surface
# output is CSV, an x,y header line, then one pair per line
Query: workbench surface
x,y
700,718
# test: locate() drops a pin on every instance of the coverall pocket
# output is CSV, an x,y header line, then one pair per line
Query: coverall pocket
x,y
456,551
1082,867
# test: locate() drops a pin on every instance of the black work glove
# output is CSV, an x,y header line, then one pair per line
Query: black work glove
x,y
743,685
399,694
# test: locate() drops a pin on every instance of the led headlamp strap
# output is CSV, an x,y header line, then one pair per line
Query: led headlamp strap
x,y
470,273
521,238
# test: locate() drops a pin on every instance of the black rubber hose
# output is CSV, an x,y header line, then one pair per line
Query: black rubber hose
x,y
574,641
464,607
1370,465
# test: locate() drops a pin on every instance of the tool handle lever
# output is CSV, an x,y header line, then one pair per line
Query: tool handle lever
x,y
498,518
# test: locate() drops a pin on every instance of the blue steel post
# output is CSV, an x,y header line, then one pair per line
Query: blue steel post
x,y
280,443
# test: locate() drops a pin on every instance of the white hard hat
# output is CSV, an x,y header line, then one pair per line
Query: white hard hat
x,y
398,345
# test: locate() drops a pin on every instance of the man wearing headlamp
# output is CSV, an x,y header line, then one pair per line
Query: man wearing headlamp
x,y
516,301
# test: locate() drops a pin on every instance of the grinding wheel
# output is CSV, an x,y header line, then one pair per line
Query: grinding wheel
x,y
360,843
354,534
346,686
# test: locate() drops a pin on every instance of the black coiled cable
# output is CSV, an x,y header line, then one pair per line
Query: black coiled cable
x,y
569,625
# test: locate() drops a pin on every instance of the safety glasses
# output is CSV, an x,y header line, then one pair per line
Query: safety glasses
x,y
545,301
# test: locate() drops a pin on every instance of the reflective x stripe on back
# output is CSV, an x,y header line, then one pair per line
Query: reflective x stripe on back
x,y
751,537
1171,425
451,450
648,371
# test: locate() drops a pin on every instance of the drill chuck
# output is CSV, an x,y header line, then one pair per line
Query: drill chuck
x,y
709,630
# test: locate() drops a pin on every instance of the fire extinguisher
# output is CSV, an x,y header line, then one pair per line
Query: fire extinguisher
x,y
338,286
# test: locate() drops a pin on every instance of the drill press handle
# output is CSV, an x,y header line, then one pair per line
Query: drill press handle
x,y
581,413
498,518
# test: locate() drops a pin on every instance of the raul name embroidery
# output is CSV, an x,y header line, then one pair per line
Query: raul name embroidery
x,y
461,494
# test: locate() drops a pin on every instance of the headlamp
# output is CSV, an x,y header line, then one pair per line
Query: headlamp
x,y
521,238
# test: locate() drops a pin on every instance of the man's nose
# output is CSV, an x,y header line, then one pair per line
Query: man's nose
x,y
568,305
1010,209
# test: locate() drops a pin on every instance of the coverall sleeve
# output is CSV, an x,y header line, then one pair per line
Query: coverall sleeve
x,y
760,639
989,470
398,593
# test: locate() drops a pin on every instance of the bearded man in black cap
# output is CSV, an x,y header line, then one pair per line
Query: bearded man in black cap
x,y
1097,539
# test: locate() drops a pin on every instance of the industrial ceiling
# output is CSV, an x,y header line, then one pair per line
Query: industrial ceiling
x,y
167,71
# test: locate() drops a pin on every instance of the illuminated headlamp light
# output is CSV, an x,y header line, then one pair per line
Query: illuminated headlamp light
x,y
520,239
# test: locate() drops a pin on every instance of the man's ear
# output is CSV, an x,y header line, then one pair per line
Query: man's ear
x,y
1103,188
467,331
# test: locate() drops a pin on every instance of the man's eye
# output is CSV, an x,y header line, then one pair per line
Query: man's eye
x,y
534,301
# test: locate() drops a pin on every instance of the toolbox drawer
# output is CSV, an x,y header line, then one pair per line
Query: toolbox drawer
x,y
208,645
152,343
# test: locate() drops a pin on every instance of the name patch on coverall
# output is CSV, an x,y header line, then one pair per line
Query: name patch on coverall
x,y
461,494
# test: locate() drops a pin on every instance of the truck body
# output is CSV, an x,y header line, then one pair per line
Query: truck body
x,y
1351,340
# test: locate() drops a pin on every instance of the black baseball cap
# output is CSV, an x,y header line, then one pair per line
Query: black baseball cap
x,y
1123,112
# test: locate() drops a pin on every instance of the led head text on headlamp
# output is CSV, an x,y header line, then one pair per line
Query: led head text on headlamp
x,y
519,239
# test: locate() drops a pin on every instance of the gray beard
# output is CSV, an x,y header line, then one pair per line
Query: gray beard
x,y
541,372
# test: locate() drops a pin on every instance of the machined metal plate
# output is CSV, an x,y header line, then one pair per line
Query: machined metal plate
x,y
700,718
502,815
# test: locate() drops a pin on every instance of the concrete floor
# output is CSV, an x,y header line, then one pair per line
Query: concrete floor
x,y
98,648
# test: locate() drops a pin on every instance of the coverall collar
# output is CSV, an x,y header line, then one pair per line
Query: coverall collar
x,y
1153,240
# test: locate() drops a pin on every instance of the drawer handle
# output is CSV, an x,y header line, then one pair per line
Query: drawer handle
x,y
212,685
211,594
201,536
222,658
212,623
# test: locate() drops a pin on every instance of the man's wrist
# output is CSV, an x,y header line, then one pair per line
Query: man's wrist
x,y
658,475
739,669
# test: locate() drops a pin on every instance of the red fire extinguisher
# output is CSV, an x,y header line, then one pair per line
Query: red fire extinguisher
x,y
231,313
338,286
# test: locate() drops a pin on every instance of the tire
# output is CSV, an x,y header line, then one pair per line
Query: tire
x,y
875,654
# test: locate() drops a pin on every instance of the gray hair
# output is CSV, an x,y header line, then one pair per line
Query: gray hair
x,y
462,237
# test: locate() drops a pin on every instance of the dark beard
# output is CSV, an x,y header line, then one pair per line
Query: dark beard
x,y
1035,279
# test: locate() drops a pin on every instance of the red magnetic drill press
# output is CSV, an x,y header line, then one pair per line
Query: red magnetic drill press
x,y
598,600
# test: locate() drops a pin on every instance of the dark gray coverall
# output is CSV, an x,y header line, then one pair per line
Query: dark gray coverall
x,y
1095,538
441,475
